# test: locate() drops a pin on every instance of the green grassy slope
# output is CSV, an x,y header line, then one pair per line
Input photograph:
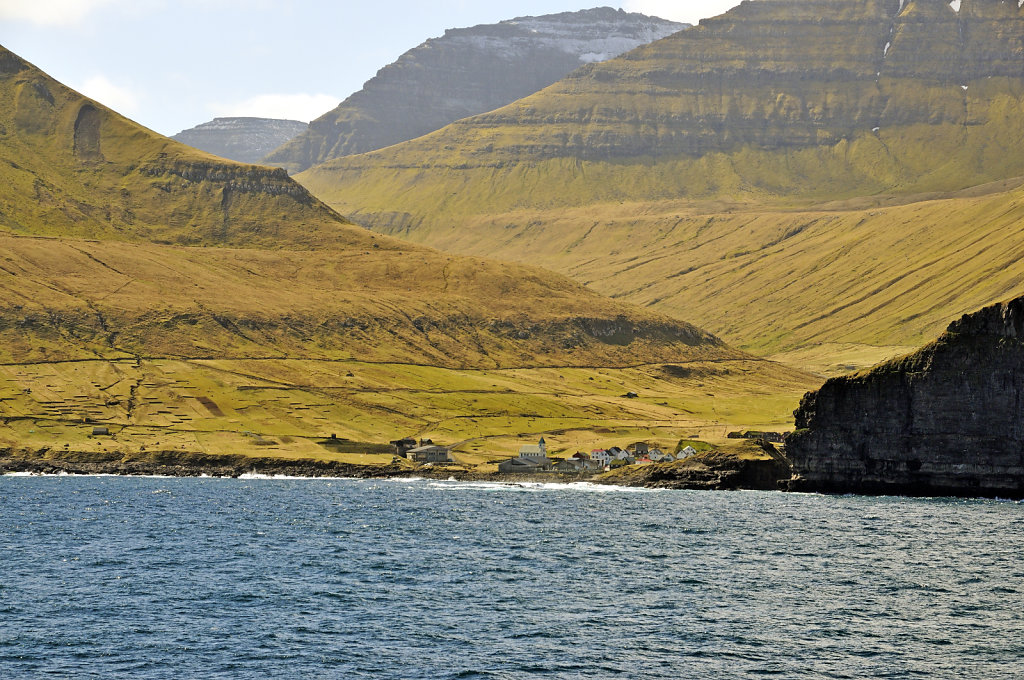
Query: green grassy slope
x,y
71,167
185,301
715,174
833,287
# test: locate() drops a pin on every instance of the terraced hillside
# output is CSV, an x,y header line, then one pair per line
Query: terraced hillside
x,y
242,139
465,72
180,300
790,174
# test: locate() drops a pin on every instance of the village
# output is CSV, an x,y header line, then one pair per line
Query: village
x,y
534,459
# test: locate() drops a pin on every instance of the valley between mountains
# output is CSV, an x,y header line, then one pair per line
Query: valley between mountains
x,y
672,245
826,183
158,300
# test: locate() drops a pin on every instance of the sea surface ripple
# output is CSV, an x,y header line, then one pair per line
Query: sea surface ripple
x,y
270,578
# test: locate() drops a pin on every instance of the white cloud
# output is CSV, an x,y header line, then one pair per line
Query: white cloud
x,y
690,11
49,12
304,107
121,99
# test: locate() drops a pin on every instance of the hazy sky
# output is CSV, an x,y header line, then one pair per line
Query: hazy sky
x,y
172,64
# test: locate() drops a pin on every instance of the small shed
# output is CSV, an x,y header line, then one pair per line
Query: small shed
x,y
101,431
402,447
569,465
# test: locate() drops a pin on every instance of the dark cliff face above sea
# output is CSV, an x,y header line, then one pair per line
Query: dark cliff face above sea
x,y
946,420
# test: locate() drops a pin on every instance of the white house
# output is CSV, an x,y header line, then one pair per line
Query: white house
x,y
687,452
619,454
601,456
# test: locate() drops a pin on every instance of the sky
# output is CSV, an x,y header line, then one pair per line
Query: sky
x,y
173,64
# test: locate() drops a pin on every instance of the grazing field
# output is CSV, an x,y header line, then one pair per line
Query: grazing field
x,y
290,408
831,182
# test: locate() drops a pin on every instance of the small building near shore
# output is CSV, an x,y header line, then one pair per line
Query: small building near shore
x,y
569,465
659,456
429,454
521,465
404,446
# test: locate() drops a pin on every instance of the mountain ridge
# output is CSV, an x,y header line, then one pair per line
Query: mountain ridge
x,y
722,125
245,139
465,72
182,302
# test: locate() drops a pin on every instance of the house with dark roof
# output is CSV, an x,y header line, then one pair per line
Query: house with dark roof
x,y
430,454
521,465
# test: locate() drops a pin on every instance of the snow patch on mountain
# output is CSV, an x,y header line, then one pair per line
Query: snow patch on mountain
x,y
592,36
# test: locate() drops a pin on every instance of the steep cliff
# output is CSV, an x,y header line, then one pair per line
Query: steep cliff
x,y
466,72
788,97
947,420
245,140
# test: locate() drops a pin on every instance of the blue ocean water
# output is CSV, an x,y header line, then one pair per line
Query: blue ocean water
x,y
253,578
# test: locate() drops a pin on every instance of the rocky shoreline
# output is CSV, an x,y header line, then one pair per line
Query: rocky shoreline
x,y
184,464
714,471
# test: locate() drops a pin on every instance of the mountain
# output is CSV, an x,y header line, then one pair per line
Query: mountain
x,y
466,72
945,420
183,300
784,174
245,140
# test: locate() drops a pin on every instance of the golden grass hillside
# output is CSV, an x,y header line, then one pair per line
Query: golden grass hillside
x,y
798,177
828,287
188,303
71,167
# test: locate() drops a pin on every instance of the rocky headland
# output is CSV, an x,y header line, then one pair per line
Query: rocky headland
x,y
944,421
750,465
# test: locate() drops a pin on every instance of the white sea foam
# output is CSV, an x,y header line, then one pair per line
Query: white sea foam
x,y
260,475
537,487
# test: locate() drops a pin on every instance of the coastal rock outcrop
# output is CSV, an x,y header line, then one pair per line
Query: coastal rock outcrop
x,y
946,420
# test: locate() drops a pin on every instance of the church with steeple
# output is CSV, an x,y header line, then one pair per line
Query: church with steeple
x,y
537,452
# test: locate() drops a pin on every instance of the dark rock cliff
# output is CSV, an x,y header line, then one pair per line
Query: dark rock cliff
x,y
946,420
245,140
466,72
773,75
